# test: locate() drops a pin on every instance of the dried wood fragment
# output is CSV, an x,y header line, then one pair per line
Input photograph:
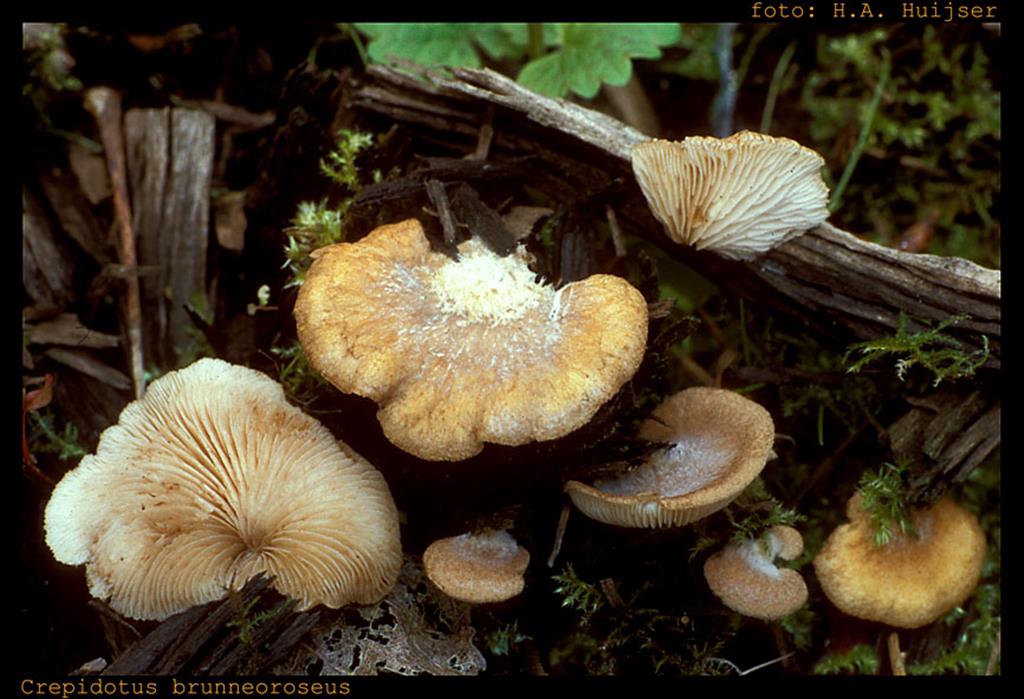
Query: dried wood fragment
x,y
208,640
444,170
89,404
415,630
897,658
91,172
47,267
238,116
945,436
170,161
66,329
439,198
105,105
482,220
74,212
89,365
556,546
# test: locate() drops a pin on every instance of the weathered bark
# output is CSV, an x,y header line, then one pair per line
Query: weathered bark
x,y
206,640
945,437
170,161
826,274
46,264
75,215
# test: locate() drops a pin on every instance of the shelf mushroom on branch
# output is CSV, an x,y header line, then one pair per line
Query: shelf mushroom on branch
x,y
458,353
912,580
718,442
738,196
211,479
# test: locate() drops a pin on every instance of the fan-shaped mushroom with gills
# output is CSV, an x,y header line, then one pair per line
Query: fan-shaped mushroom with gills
x,y
717,442
212,478
738,196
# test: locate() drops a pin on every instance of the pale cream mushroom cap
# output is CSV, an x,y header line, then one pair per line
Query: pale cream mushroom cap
x,y
212,478
720,442
744,575
738,196
479,567
461,353
910,581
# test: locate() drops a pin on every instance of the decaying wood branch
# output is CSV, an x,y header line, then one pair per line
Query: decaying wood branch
x,y
827,274
105,105
214,639
945,436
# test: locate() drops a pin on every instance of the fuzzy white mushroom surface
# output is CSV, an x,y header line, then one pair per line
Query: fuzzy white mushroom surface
x,y
747,580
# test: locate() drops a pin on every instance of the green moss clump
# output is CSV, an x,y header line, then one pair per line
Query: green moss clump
x,y
942,355
933,151
882,497
45,437
318,224
861,659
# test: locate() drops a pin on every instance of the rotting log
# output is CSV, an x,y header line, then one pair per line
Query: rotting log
x,y
826,273
827,278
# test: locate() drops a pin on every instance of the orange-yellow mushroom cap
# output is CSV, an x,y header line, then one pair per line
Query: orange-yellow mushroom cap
x,y
912,580
462,353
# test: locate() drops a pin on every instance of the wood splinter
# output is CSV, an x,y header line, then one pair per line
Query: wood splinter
x,y
897,658
105,105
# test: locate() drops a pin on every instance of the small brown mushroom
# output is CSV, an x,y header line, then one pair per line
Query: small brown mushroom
x,y
744,575
462,353
738,196
212,478
912,580
720,441
479,567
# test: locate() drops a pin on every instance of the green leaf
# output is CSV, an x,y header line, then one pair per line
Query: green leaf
x,y
434,44
503,41
592,54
